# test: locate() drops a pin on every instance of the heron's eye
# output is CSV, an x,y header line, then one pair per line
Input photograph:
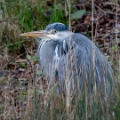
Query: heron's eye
x,y
55,31
52,31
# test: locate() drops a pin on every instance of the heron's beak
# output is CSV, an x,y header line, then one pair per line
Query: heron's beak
x,y
42,33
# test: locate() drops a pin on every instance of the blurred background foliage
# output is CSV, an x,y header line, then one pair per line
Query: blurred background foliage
x,y
18,16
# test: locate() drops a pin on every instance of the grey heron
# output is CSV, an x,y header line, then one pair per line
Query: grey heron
x,y
67,55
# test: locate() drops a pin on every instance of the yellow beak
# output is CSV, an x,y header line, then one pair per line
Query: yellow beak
x,y
40,34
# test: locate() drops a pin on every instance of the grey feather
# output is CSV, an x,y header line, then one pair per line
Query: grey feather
x,y
72,57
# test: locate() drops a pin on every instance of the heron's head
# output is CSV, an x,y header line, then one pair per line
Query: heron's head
x,y
53,31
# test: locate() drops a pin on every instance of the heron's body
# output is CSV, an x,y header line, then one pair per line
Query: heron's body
x,y
67,55
73,58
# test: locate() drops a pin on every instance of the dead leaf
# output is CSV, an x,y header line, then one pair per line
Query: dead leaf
x,y
78,14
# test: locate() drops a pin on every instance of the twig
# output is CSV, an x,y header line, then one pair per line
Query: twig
x,y
111,3
100,9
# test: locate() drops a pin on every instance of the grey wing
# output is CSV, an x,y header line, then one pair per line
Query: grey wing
x,y
46,53
77,65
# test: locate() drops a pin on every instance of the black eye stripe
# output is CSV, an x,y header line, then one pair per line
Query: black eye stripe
x,y
57,26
